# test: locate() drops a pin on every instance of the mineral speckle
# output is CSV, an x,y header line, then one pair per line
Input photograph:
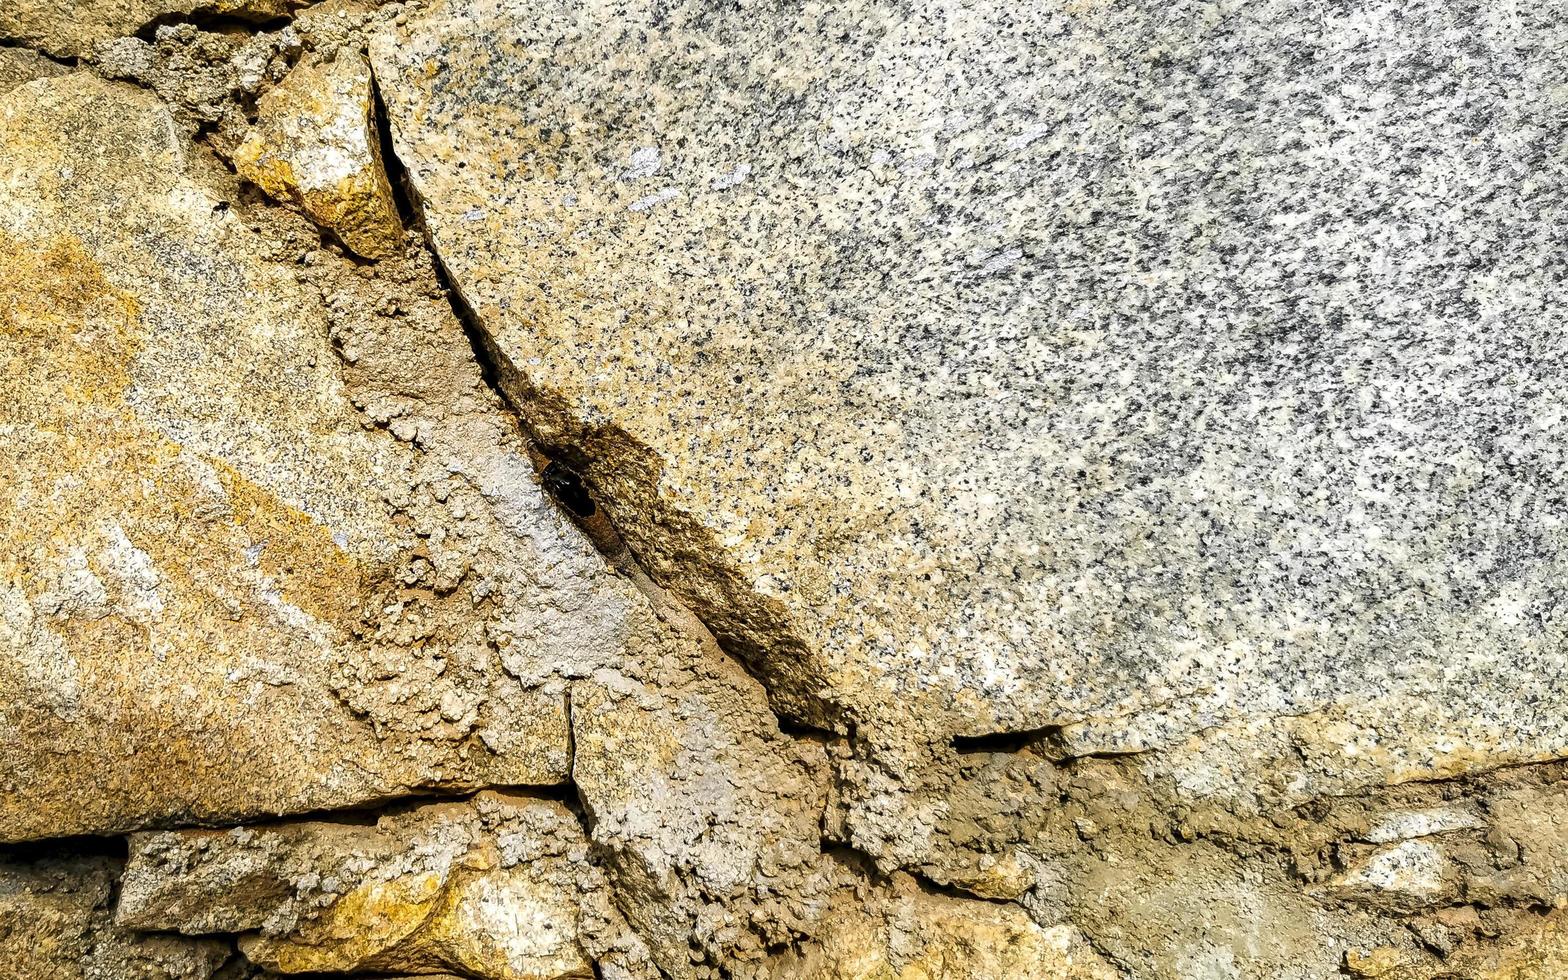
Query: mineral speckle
x,y
871,491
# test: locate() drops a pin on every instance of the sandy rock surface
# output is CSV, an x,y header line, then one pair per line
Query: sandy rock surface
x,y
216,601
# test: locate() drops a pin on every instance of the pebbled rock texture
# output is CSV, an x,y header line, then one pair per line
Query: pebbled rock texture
x,y
56,924
71,28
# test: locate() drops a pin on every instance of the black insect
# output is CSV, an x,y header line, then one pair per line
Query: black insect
x,y
568,490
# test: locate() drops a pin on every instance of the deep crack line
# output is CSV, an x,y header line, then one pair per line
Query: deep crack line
x,y
17,44
589,514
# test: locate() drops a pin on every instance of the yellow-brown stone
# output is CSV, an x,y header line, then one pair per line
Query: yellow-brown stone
x,y
314,146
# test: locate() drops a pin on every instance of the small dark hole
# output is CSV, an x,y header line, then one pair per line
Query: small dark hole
x,y
1006,741
568,490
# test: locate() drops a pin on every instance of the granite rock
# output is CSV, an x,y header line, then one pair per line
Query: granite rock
x,y
314,146
1405,876
1121,441
1097,371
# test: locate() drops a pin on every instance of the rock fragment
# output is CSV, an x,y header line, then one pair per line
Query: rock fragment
x,y
491,888
314,146
1406,876
55,924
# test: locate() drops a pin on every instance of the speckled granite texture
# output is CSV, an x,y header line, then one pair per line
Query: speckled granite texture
x,y
1140,369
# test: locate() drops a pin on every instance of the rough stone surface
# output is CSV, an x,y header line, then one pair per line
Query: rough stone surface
x,y
224,592
55,924
709,819
19,66
905,934
1120,440
209,79
490,888
71,28
982,367
315,147
391,604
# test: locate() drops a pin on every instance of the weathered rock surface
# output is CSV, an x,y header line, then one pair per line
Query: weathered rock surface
x,y
490,888
1127,433
70,28
314,146
695,795
202,75
55,924
905,934
18,65
217,598
707,817
959,409
382,600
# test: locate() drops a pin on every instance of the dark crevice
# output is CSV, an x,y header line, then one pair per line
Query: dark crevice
x,y
1049,741
370,811
571,747
561,480
568,489
16,44
367,814
412,216
397,176
1048,737
854,859
82,845
216,24
212,22
578,805
798,729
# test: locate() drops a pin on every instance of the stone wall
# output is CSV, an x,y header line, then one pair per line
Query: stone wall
x,y
531,489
